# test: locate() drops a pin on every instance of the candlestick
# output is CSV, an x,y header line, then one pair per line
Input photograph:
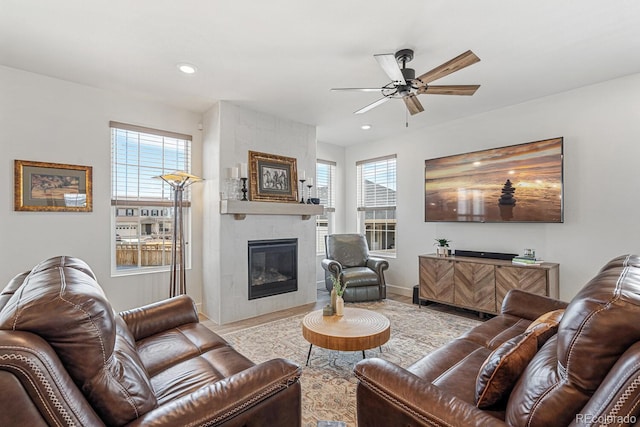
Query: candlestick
x,y
244,190
302,190
309,185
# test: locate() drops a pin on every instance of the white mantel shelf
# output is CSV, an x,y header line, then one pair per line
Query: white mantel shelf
x,y
240,209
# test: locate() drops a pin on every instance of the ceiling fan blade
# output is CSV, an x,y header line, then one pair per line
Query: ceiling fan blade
x,y
413,105
457,63
360,89
390,66
467,90
372,105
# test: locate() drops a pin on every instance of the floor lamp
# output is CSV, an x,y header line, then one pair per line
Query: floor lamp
x,y
178,182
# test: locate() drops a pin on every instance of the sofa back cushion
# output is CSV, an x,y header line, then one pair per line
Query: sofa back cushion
x,y
61,301
598,326
350,250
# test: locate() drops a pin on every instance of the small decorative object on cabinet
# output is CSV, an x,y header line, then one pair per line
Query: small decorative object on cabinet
x,y
443,247
481,284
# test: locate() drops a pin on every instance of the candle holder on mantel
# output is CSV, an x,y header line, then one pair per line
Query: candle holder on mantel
x,y
309,193
302,181
244,190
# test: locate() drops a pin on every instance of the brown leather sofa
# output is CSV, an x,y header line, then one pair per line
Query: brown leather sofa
x,y
347,258
587,374
67,359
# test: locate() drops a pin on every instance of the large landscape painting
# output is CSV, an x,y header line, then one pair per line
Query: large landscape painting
x,y
519,183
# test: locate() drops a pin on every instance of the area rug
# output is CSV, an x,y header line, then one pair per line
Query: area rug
x,y
328,383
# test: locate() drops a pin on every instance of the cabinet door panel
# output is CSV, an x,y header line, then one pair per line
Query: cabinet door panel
x,y
436,280
528,279
475,286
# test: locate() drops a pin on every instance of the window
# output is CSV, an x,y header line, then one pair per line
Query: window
x,y
325,189
376,196
142,206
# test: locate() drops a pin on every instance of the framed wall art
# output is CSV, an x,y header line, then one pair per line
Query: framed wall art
x,y
56,187
518,183
272,178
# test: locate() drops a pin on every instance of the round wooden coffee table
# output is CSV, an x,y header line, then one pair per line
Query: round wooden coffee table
x,y
357,330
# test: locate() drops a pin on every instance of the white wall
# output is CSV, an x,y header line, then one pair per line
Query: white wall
x,y
601,129
50,120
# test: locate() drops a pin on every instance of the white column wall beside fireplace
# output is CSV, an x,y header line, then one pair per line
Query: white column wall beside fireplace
x,y
229,133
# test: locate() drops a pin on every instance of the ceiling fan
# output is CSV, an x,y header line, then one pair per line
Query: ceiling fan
x,y
405,85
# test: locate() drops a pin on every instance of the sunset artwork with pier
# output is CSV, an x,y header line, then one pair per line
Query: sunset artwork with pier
x,y
520,183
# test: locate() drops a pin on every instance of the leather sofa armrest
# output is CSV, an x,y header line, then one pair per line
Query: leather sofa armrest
x,y
332,266
378,265
160,316
390,395
36,387
529,306
229,398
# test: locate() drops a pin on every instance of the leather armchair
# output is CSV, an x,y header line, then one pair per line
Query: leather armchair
x,y
69,359
347,258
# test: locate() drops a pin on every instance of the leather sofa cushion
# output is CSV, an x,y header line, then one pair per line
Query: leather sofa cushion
x,y
359,276
92,342
500,371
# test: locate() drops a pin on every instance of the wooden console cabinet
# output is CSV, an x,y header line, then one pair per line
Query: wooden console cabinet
x,y
481,284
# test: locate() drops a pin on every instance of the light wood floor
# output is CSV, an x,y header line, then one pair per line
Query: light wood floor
x,y
322,300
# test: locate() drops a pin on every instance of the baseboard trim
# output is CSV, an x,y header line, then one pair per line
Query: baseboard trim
x,y
400,290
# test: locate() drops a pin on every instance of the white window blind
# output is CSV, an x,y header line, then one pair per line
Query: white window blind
x,y
325,183
377,182
325,189
138,154
376,203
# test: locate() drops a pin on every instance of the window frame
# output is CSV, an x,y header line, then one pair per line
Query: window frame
x,y
385,206
148,204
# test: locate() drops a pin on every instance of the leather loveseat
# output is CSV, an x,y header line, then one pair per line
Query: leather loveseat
x,y
587,373
67,359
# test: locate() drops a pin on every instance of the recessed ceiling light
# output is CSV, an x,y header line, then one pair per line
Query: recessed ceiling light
x,y
365,127
187,68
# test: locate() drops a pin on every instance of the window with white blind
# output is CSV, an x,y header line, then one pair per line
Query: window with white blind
x,y
376,199
142,205
325,188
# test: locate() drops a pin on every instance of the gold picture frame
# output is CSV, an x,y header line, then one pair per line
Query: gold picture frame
x,y
272,178
52,187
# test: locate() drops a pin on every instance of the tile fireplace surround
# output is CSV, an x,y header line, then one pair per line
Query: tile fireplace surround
x,y
229,133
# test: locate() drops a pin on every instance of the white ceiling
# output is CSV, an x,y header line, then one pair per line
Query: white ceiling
x,y
282,56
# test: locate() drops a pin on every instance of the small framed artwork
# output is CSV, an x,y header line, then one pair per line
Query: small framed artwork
x,y
55,187
273,178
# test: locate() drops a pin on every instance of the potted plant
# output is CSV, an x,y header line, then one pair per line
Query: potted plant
x,y
443,247
336,295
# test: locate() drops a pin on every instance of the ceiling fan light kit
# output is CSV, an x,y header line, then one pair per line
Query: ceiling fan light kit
x,y
405,85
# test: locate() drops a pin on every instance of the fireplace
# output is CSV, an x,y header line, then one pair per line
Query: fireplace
x,y
273,267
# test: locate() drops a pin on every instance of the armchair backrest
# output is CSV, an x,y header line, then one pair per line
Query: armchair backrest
x,y
350,250
61,301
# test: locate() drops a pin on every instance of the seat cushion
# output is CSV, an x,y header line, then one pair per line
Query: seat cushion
x,y
187,358
359,276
